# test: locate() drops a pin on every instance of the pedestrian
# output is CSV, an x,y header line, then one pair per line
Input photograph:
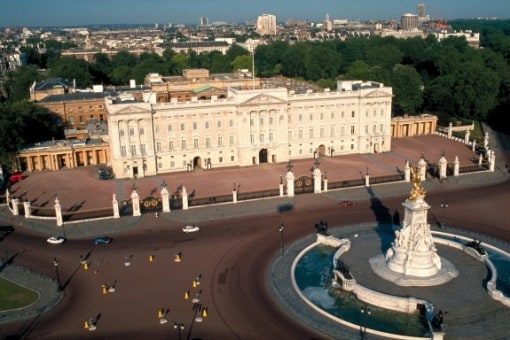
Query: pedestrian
x,y
157,214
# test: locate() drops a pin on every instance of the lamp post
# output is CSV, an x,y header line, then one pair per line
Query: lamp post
x,y
444,205
179,326
365,313
280,229
55,263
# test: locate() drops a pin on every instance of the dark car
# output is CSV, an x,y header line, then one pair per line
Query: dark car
x,y
103,240
105,175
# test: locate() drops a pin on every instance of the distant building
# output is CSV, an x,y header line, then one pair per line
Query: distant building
x,y
266,24
204,21
472,38
410,126
408,22
420,10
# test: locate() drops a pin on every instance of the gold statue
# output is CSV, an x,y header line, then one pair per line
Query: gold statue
x,y
417,190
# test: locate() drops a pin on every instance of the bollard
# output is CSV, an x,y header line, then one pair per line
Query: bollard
x,y
85,266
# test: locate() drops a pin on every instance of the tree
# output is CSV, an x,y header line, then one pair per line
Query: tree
x,y
101,68
24,122
73,69
322,63
242,62
236,51
293,60
219,63
407,87
476,89
18,82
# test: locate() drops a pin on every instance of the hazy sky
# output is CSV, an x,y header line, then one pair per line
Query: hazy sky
x,y
81,12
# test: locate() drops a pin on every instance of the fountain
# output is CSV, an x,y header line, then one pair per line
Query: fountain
x,y
396,281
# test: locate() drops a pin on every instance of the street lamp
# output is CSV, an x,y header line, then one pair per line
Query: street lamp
x,y
179,326
55,263
281,237
444,205
365,313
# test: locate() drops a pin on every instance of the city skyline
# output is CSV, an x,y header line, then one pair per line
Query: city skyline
x,y
95,12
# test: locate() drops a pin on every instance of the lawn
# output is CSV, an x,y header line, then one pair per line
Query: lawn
x,y
13,296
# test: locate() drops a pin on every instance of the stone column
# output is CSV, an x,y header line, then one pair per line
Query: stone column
x,y
15,208
184,198
456,166
367,180
407,172
7,196
450,130
234,194
58,213
492,161
26,206
317,180
115,205
325,185
165,199
442,167
474,145
290,183
486,140
422,165
480,159
281,186
135,199
466,137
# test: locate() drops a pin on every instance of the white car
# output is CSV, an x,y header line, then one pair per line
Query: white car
x,y
56,240
190,228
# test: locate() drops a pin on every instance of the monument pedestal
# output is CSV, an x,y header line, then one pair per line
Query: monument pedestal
x,y
412,259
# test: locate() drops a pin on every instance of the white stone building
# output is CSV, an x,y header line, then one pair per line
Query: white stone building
x,y
248,127
266,24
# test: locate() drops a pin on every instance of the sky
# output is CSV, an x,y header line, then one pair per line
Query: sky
x,y
90,12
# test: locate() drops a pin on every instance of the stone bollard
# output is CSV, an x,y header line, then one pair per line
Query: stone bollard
x,y
58,213
317,180
115,205
184,198
456,164
135,199
165,199
290,183
407,172
28,212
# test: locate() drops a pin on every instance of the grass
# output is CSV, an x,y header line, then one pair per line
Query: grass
x,y
476,134
14,296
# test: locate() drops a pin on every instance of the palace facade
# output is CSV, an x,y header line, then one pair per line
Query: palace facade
x,y
247,127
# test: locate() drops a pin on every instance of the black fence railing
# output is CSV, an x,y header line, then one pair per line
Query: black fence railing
x,y
126,209
87,214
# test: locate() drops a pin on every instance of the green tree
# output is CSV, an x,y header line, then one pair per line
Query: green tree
x,y
18,82
242,62
102,68
322,63
219,63
121,75
293,61
24,122
178,63
72,69
407,88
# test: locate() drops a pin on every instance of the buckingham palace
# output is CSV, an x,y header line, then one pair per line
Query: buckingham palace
x,y
247,127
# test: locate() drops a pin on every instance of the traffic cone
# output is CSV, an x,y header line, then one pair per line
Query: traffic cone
x,y
85,266
151,258
104,289
186,295
194,283
86,325
204,312
160,314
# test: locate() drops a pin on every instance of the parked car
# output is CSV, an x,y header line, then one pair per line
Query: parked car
x,y
16,177
347,203
104,175
190,228
103,240
55,240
